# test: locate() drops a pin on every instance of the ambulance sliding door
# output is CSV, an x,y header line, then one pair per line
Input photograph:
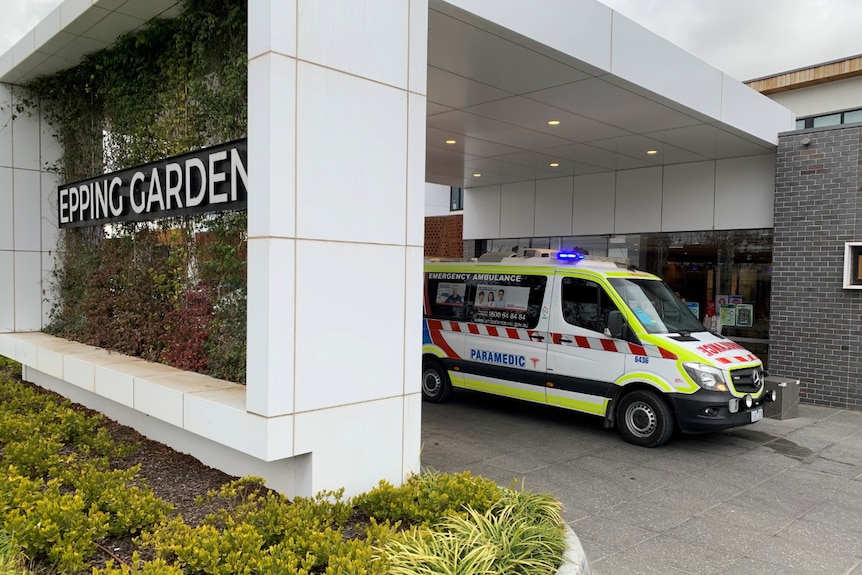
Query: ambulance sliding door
x,y
445,309
505,343
583,362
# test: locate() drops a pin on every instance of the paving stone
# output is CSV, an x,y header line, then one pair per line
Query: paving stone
x,y
781,496
748,520
614,535
823,538
644,515
755,566
838,513
808,558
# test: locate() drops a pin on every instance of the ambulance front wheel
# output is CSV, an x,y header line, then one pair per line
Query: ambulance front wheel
x,y
644,419
436,386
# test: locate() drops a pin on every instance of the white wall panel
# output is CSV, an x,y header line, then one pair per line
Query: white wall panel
x,y
49,146
353,446
25,132
744,192
28,291
638,201
415,191
271,325
418,47
412,435
593,204
274,25
272,120
7,291
821,99
579,28
49,265
482,213
648,60
554,207
335,284
367,39
5,120
28,209
7,211
688,197
436,200
517,210
49,229
413,299
352,158
752,112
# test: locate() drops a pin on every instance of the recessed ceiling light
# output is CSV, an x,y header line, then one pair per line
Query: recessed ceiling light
x,y
554,165
652,152
477,175
450,142
553,122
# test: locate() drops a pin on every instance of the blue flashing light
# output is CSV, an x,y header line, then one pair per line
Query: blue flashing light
x,y
570,256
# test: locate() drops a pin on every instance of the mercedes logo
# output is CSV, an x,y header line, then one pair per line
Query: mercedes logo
x,y
756,378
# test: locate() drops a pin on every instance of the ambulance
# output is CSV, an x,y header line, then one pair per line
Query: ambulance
x,y
589,334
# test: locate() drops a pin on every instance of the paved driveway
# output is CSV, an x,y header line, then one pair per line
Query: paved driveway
x,y
774,497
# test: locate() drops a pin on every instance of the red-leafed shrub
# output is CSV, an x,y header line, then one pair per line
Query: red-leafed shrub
x,y
186,331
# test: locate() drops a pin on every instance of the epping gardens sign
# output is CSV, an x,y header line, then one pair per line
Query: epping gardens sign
x,y
207,180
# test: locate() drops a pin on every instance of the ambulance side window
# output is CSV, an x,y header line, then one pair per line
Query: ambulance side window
x,y
515,301
585,304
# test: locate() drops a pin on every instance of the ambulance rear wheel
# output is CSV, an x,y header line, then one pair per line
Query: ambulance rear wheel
x,y
644,419
436,387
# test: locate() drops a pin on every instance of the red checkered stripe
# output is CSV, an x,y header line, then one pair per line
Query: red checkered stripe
x,y
612,345
482,329
737,359
596,343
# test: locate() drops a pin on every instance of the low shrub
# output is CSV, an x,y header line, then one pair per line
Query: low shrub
x,y
501,541
426,497
62,501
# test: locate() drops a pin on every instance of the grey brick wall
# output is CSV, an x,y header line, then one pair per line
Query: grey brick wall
x,y
815,325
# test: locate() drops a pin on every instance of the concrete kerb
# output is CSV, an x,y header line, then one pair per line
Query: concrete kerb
x,y
574,558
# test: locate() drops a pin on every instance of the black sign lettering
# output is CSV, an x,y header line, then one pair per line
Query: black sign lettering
x,y
207,180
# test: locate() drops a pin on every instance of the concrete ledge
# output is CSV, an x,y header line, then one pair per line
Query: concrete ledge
x,y
211,408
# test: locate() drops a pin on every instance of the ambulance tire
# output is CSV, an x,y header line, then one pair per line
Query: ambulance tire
x,y
436,387
644,419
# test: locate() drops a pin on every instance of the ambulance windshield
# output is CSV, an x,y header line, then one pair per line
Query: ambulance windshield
x,y
657,308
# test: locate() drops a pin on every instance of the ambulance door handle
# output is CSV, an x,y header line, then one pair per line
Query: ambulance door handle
x,y
564,340
537,337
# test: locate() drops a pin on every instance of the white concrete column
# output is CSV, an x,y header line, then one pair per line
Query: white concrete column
x,y
336,202
28,224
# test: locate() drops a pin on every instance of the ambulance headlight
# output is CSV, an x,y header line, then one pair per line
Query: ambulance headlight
x,y
706,376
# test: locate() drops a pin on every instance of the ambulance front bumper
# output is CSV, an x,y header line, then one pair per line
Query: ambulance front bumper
x,y
705,411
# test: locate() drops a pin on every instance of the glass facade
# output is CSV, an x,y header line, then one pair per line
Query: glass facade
x,y
732,270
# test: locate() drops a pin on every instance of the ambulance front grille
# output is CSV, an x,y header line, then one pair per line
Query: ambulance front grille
x,y
747,380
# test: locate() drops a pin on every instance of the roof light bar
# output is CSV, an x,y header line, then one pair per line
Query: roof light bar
x,y
570,256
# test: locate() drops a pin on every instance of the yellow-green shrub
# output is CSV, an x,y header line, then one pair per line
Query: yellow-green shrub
x,y
427,497
57,527
130,508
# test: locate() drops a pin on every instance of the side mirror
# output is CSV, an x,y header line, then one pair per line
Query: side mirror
x,y
616,325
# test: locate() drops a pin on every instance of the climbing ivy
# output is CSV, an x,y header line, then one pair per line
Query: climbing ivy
x,y
173,290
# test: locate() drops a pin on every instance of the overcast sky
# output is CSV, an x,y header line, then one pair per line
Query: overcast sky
x,y
753,38
745,38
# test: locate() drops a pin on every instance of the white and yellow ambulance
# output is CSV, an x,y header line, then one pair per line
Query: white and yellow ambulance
x,y
589,334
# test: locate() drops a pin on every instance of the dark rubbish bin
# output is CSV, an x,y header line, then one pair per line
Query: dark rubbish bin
x,y
786,405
